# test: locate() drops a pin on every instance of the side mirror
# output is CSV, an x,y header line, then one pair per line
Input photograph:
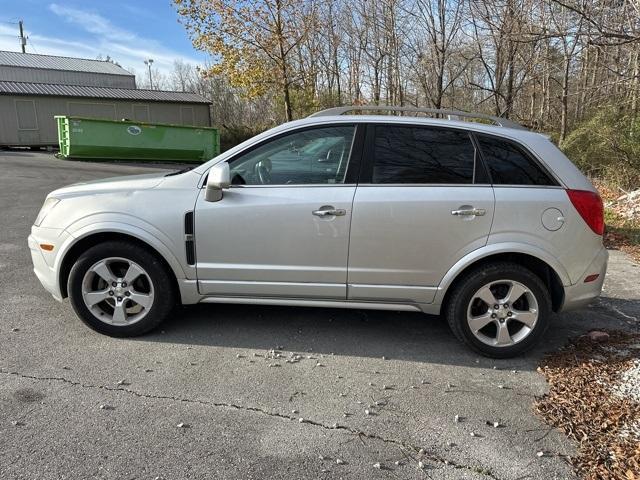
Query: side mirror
x,y
219,179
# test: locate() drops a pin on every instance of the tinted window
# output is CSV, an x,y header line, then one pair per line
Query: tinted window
x,y
422,155
311,156
508,164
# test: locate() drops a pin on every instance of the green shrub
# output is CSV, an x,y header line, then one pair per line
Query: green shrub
x,y
607,146
230,136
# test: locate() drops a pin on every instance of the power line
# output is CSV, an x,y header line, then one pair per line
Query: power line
x,y
33,45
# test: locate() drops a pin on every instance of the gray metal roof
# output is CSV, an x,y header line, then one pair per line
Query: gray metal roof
x,y
51,62
47,89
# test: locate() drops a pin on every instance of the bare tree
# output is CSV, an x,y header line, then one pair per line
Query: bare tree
x,y
437,37
183,77
547,63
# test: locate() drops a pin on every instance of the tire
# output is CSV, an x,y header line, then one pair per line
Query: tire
x,y
116,311
526,321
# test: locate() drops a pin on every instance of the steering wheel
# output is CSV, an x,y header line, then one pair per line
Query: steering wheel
x,y
263,171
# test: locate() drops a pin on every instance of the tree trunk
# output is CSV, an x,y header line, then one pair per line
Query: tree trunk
x,y
565,99
584,81
635,82
283,66
287,102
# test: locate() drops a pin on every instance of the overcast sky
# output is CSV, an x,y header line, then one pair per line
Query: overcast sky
x,y
127,31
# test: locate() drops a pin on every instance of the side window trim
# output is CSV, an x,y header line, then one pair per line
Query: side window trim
x,y
528,154
366,168
354,167
354,159
480,164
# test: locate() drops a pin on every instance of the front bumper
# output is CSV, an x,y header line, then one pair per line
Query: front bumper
x,y
45,264
582,294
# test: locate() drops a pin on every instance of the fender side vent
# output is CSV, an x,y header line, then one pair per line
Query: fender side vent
x,y
190,248
188,223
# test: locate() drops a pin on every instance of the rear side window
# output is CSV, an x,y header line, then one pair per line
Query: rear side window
x,y
422,155
509,164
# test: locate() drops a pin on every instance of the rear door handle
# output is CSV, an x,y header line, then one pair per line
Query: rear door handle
x,y
329,211
475,212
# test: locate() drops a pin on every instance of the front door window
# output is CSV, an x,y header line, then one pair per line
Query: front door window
x,y
315,156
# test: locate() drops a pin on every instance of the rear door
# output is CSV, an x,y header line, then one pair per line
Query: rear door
x,y
422,203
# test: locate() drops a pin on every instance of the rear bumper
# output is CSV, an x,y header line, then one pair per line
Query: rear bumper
x,y
582,294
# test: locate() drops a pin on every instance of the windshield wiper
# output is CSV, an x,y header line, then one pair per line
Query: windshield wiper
x,y
178,172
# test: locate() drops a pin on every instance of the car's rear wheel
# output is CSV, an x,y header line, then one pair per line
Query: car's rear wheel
x,y
121,289
499,310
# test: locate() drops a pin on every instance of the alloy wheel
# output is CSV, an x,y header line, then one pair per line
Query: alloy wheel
x,y
502,313
117,291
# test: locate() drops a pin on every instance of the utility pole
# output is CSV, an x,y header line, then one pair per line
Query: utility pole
x,y
23,39
148,64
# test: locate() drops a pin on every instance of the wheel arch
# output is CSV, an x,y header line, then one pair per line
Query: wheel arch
x,y
553,276
81,244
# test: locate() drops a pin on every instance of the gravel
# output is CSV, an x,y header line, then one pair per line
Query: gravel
x,y
629,386
631,431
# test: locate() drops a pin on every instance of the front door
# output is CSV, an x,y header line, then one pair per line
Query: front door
x,y
423,203
282,229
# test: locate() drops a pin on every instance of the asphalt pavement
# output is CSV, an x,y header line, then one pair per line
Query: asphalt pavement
x,y
240,392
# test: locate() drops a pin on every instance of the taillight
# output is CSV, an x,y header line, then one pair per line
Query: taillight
x,y
589,206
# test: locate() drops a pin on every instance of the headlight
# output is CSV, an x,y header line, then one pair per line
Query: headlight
x,y
49,203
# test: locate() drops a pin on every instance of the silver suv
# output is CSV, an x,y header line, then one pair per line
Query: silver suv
x,y
489,225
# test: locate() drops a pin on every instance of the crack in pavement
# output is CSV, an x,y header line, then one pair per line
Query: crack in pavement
x,y
609,306
335,427
620,312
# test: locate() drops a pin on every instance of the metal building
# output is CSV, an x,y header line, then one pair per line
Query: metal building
x,y
34,88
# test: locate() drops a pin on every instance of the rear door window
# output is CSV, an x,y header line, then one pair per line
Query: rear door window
x,y
422,155
509,164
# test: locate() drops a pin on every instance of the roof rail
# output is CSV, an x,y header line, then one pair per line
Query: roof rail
x,y
450,114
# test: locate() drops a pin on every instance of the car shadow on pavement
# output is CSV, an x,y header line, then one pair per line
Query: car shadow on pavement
x,y
405,336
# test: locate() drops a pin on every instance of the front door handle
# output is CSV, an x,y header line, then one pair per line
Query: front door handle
x,y
469,212
329,211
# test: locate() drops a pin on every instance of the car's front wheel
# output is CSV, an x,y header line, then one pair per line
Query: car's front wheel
x,y
499,310
121,289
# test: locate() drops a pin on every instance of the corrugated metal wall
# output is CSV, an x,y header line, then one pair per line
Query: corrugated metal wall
x,y
62,77
28,120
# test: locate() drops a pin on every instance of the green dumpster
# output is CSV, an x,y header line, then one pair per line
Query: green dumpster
x,y
94,138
